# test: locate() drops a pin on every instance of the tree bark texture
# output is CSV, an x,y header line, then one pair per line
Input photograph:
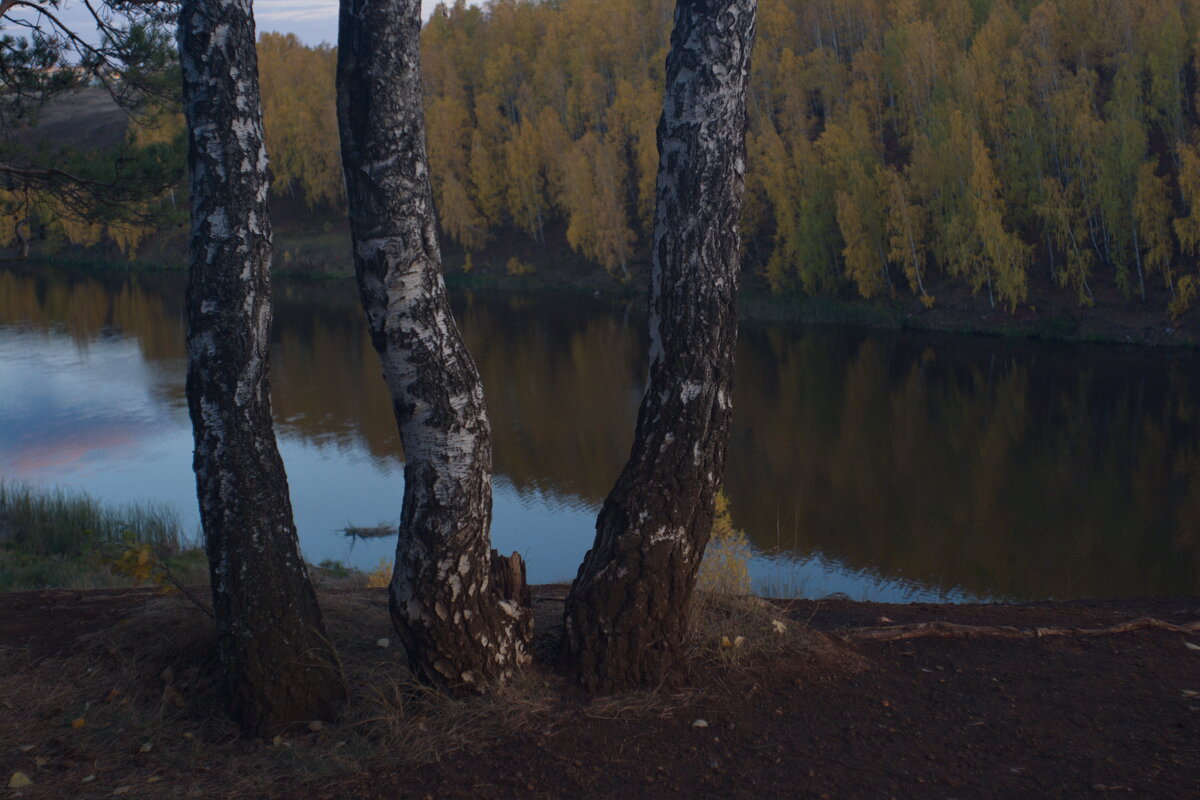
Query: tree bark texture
x,y
625,616
461,611
279,666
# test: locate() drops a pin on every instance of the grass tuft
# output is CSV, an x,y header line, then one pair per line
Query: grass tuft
x,y
741,630
55,522
51,538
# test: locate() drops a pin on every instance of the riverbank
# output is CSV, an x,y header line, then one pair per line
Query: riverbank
x,y
315,246
113,693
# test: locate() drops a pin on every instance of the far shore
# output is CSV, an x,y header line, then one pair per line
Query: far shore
x,y
1114,319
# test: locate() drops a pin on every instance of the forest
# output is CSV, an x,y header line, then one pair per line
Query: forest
x,y
896,148
894,145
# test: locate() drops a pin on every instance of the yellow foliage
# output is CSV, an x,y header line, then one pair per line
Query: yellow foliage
x,y
128,236
1003,256
515,267
726,565
299,117
138,562
859,216
905,230
80,231
1187,229
460,218
1152,213
381,576
594,199
1185,293
160,128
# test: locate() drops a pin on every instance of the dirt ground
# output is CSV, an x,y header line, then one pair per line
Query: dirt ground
x,y
1061,715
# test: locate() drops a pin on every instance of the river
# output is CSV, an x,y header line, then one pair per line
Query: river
x,y
887,466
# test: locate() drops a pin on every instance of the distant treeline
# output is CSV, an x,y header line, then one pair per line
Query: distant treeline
x,y
895,147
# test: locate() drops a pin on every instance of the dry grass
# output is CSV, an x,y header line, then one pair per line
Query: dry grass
x,y
146,689
741,630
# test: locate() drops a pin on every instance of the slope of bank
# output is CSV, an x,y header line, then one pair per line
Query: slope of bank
x,y
114,692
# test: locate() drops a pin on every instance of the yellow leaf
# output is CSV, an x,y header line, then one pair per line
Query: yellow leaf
x,y
79,723
19,780
725,642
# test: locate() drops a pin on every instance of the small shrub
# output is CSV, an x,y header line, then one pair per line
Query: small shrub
x,y
335,568
381,576
516,267
726,565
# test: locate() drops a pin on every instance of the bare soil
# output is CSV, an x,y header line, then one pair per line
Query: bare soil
x,y
948,716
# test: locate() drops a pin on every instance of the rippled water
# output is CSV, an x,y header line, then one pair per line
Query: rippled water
x,y
886,466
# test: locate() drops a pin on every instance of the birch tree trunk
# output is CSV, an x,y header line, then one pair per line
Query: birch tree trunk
x,y
626,612
279,666
461,611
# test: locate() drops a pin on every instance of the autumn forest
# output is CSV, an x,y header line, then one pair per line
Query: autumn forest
x,y
896,148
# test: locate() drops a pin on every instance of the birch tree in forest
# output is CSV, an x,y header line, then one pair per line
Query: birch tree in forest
x,y
461,611
278,664
626,612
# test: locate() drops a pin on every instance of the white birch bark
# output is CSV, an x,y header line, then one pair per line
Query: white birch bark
x,y
626,613
278,664
460,610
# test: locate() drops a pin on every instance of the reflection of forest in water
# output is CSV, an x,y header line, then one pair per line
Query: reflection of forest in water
x,y
997,468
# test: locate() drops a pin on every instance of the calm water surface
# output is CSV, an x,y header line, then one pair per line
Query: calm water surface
x,y
886,466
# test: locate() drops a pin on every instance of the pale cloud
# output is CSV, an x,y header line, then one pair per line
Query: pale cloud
x,y
289,11
313,21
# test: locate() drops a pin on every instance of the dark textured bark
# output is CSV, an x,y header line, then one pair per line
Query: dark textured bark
x,y
625,615
279,666
461,611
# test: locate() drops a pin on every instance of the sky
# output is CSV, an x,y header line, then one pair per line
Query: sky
x,y
313,21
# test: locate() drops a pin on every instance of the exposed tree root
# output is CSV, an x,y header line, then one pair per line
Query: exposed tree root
x,y
952,630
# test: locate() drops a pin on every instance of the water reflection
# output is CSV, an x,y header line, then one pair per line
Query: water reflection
x,y
882,465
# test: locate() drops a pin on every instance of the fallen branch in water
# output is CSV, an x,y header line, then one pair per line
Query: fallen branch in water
x,y
953,630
